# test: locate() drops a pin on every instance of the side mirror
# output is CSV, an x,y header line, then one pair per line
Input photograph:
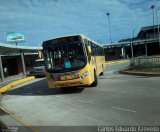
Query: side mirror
x,y
89,55
89,49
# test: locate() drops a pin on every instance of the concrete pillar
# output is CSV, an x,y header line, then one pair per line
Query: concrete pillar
x,y
23,64
124,52
146,49
1,69
132,48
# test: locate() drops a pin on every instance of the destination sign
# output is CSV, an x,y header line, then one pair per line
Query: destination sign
x,y
64,40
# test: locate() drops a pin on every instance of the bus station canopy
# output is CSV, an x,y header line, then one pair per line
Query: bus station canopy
x,y
11,49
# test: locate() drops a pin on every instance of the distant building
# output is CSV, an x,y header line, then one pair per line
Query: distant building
x,y
145,43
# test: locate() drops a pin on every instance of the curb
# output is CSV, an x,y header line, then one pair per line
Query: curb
x,y
139,73
15,83
117,62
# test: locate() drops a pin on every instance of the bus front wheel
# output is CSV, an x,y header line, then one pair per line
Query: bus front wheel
x,y
102,73
95,83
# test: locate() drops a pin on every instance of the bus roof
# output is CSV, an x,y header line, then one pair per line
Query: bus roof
x,y
90,40
84,37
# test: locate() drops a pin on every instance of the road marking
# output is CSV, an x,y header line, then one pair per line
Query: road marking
x,y
20,120
82,101
124,109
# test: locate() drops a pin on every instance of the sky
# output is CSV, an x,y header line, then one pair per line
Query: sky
x,y
40,20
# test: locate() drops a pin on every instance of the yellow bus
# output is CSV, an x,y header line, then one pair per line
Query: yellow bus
x,y
73,60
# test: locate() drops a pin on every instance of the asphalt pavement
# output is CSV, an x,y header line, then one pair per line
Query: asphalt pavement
x,y
118,100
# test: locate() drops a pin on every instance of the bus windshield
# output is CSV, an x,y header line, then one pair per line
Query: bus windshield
x,y
64,57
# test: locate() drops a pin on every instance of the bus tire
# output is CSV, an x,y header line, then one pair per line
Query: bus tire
x,y
102,73
95,83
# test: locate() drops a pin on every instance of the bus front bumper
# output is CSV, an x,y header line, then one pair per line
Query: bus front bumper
x,y
87,81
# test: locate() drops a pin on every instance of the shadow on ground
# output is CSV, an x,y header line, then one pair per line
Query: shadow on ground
x,y
41,88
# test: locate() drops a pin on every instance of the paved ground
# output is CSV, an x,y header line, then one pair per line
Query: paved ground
x,y
118,100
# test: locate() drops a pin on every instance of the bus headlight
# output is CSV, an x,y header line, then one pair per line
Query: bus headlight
x,y
85,74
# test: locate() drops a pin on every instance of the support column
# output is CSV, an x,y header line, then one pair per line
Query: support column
x,y
132,48
123,52
146,49
1,69
23,64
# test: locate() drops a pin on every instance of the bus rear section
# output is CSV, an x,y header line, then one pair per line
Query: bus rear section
x,y
68,63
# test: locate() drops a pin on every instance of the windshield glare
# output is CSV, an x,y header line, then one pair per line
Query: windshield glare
x,y
65,57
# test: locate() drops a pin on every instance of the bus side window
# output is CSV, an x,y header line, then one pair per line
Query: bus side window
x,y
99,51
92,47
95,50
